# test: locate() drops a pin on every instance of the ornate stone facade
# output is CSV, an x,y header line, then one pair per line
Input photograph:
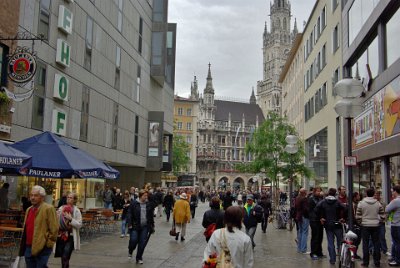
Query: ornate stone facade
x,y
224,128
276,47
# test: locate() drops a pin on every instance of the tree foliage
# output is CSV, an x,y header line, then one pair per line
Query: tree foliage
x,y
267,146
180,158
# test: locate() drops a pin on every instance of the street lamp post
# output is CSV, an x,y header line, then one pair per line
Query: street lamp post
x,y
348,107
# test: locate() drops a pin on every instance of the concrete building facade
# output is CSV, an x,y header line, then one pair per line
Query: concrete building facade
x,y
291,79
104,82
322,55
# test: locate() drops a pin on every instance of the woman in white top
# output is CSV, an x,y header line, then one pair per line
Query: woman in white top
x,y
238,243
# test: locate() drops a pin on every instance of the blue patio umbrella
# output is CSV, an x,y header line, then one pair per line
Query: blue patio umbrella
x,y
13,160
52,157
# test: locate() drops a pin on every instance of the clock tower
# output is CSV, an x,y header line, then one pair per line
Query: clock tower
x,y
276,46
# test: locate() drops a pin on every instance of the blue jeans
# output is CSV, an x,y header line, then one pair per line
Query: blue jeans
x,y
138,238
123,227
382,239
302,235
108,205
39,261
395,232
251,232
331,233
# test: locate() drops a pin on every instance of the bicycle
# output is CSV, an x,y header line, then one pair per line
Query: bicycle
x,y
347,249
281,218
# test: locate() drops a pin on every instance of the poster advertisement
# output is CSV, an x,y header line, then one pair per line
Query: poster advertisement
x,y
382,119
154,138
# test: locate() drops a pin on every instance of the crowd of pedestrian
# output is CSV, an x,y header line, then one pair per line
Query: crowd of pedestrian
x,y
330,212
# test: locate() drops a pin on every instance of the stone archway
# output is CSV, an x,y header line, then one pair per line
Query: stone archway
x,y
223,183
253,184
238,184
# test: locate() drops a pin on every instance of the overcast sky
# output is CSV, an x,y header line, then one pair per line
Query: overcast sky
x,y
228,34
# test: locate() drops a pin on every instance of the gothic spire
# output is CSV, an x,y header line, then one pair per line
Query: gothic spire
x,y
295,31
194,93
252,97
209,86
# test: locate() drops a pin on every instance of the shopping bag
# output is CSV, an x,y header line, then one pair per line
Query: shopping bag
x,y
19,262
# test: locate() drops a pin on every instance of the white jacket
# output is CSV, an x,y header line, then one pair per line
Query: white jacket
x,y
76,225
239,245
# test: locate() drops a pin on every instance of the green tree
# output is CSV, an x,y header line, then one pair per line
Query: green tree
x,y
180,158
267,146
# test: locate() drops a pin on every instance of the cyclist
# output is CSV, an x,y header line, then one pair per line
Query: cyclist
x,y
330,212
317,230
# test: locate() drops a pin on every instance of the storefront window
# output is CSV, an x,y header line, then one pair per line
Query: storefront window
x,y
369,59
395,170
21,186
392,39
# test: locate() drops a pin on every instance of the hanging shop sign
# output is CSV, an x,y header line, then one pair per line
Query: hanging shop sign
x,y
381,117
61,86
59,125
65,17
21,65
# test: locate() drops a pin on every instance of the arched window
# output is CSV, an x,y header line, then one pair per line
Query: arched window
x,y
284,24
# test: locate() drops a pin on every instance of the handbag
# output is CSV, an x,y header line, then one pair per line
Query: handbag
x,y
210,230
172,232
224,259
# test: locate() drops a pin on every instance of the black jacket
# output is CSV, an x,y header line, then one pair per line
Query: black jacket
x,y
168,202
312,203
227,202
267,207
251,220
213,216
133,216
331,210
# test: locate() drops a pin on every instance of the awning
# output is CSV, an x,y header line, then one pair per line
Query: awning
x,y
52,157
13,160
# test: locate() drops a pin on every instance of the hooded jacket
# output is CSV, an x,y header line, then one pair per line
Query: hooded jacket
x,y
331,210
369,212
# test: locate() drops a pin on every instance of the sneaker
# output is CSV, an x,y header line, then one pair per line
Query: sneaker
x,y
130,256
388,254
177,236
122,236
306,253
393,263
332,262
140,261
182,238
314,257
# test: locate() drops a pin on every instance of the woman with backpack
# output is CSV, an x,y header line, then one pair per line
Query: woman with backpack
x,y
230,245
213,218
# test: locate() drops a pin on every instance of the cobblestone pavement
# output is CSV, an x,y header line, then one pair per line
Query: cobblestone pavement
x,y
276,248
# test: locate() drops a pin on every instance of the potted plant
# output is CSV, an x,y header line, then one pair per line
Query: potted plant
x,y
4,101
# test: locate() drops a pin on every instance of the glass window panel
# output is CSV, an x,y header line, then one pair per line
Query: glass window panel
x,y
89,32
393,39
358,15
157,46
118,57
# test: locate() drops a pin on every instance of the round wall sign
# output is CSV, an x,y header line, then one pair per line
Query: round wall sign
x,y
21,67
